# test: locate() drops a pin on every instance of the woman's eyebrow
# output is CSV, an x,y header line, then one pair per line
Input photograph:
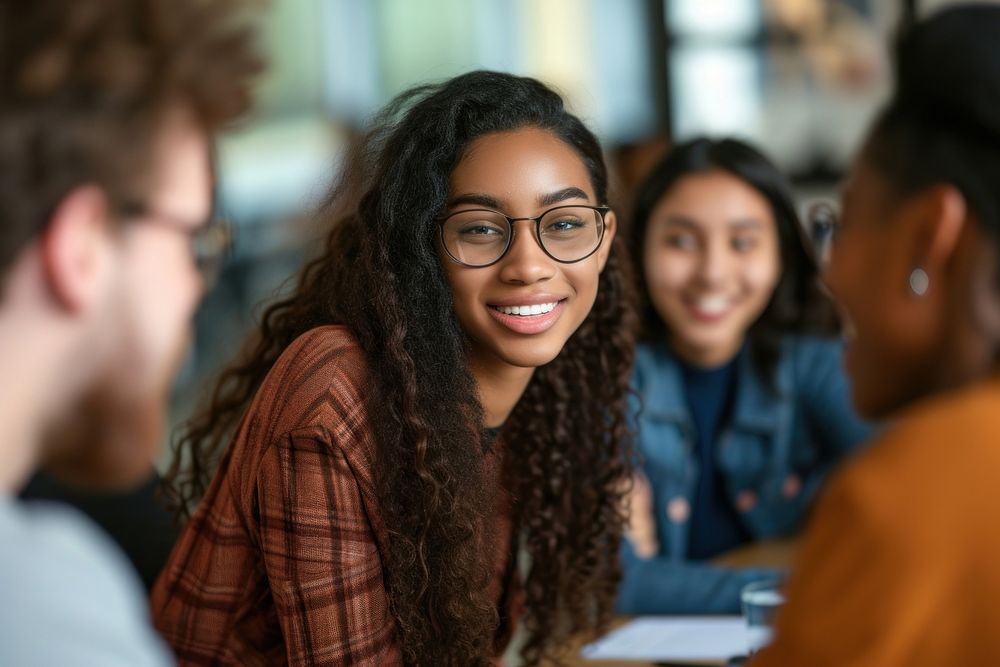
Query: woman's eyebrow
x,y
476,199
681,221
690,223
745,223
553,198
489,201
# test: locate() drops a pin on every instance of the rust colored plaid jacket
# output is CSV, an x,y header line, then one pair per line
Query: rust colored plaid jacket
x,y
282,561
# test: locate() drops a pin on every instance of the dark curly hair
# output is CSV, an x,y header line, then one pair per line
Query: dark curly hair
x,y
84,86
798,304
566,445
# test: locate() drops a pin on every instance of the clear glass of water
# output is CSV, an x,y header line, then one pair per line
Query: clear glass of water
x,y
761,602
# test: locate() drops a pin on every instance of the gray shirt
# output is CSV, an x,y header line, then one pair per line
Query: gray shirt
x,y
67,595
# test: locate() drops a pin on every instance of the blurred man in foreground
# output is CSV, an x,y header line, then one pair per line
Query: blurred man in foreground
x,y
106,113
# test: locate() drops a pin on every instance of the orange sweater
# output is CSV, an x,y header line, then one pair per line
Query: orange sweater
x,y
901,563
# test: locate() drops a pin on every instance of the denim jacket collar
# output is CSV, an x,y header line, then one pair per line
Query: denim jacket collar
x,y
755,407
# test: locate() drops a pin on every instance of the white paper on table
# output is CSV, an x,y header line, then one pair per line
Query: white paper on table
x,y
673,638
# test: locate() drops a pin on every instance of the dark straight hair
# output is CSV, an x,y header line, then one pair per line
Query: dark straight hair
x,y
942,124
798,304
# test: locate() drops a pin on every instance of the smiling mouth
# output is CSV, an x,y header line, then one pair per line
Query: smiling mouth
x,y
527,310
713,305
710,308
529,318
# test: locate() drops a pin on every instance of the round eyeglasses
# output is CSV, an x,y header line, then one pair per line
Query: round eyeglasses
x,y
480,237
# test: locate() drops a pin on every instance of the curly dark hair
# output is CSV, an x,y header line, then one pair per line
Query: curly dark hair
x,y
84,86
798,304
566,445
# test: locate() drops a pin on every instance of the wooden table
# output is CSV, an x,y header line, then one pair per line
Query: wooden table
x,y
773,553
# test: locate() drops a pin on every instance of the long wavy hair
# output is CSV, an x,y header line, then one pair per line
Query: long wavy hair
x,y
566,446
798,304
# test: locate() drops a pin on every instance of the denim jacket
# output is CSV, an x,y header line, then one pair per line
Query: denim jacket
x,y
800,432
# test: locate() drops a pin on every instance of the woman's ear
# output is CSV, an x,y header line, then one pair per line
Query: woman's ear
x,y
940,215
610,229
74,249
953,213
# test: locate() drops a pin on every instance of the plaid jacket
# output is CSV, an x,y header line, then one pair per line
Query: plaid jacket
x,y
281,563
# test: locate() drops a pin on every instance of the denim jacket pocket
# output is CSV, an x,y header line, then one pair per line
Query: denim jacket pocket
x,y
754,480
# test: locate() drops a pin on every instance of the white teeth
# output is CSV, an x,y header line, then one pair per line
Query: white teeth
x,y
534,309
713,305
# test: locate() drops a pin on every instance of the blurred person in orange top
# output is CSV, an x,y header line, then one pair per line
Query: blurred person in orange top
x,y
106,110
899,566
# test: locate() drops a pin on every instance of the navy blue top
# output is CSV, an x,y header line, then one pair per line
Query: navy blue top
x,y
715,527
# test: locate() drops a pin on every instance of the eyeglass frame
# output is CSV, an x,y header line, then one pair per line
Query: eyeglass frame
x,y
820,248
208,264
600,210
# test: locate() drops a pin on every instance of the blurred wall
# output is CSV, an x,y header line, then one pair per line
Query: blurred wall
x,y
800,77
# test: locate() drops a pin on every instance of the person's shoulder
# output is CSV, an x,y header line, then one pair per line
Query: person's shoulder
x,y
51,530
323,352
63,579
811,360
315,396
324,366
947,443
953,424
650,357
811,350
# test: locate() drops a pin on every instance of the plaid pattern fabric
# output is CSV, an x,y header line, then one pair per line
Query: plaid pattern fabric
x,y
281,563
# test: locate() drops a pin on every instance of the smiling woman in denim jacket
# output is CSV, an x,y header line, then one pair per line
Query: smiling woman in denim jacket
x,y
743,407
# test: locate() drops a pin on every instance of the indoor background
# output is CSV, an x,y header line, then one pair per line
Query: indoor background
x,y
802,78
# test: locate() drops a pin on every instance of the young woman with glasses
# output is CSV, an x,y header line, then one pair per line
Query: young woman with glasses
x,y
744,407
445,389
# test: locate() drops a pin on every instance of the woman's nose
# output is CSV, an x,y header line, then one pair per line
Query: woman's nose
x,y
714,265
526,262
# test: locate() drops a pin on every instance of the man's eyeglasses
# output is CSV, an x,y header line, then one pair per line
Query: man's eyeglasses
x,y
210,241
822,226
480,237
